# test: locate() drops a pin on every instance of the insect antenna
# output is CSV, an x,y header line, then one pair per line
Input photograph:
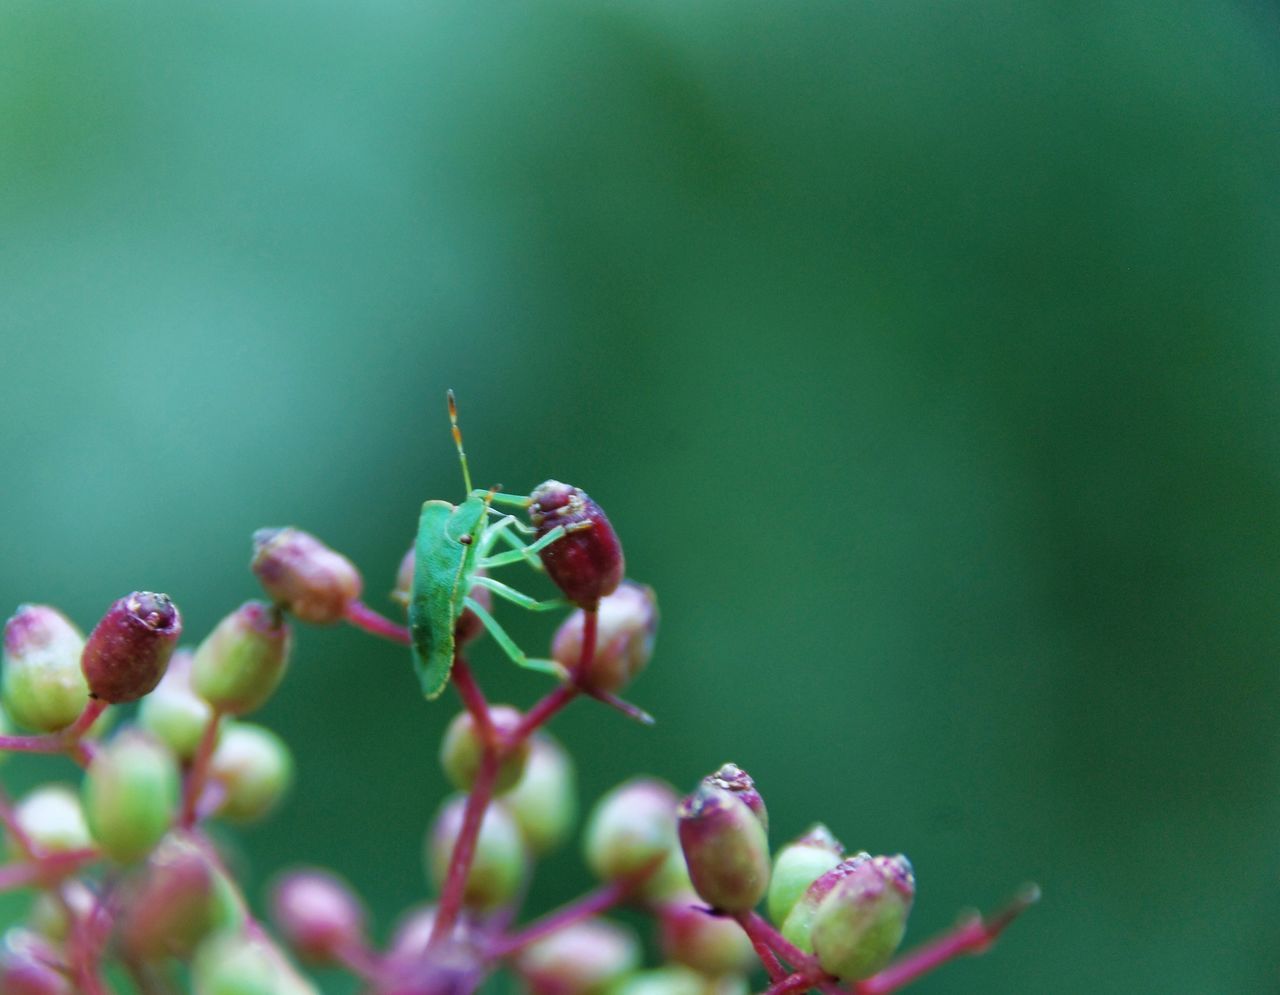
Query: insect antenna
x,y
457,440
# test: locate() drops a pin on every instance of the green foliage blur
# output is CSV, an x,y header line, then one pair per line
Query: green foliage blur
x,y
924,356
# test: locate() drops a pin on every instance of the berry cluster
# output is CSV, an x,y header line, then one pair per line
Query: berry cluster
x,y
132,891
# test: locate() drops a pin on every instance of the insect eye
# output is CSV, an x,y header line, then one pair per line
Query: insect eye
x,y
465,539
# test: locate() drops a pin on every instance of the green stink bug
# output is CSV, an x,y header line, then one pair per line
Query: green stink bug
x,y
453,542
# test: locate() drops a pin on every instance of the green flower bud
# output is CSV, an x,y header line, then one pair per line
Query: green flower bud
x,y
860,922
626,626
725,848
711,945
675,980
581,959
255,769
544,801
173,713
235,963
302,574
48,916
798,924
28,966
130,795
500,863
461,750
318,914
44,688
241,662
180,898
798,865
52,818
129,649
630,829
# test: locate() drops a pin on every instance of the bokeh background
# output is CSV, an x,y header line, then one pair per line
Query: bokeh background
x,y
925,357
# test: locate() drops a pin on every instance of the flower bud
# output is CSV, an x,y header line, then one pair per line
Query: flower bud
x,y
53,820
500,862
674,980
798,924
130,795
582,959
733,778
462,750
586,563
411,936
711,945
625,630
302,574
631,828
29,966
317,914
241,662
455,967
468,625
180,898
129,649
799,864
239,963
860,922
44,688
53,912
254,768
725,848
173,713
544,801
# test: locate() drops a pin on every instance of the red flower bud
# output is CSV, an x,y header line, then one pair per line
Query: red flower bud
x,y
725,848
31,966
712,945
581,959
302,574
587,563
317,914
128,651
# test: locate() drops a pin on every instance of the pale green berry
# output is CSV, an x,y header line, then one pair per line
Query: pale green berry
x,y
631,829
462,749
861,921
44,687
711,945
500,862
130,794
725,848
799,864
175,901
53,819
48,915
254,768
673,980
235,963
798,925
584,958
544,801
242,661
173,713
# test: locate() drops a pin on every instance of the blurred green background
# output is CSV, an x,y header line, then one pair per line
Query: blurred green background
x,y
924,356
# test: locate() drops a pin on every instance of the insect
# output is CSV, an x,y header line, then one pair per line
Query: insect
x,y
453,543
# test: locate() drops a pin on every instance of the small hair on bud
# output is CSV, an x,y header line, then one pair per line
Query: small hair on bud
x,y
129,649
587,562
303,575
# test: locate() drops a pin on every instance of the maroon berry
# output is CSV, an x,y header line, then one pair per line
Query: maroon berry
x,y
586,563
318,914
725,848
128,651
302,574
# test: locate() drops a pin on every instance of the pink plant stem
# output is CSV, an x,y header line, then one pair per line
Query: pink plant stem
x,y
757,927
972,936
363,617
543,710
593,903
763,951
464,848
791,983
474,700
64,741
199,772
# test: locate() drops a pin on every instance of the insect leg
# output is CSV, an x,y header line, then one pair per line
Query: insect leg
x,y
509,645
516,597
516,555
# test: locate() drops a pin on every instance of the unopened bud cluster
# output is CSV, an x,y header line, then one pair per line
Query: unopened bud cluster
x,y
127,871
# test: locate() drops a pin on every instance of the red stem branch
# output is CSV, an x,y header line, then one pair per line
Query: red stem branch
x,y
464,848
474,700
64,740
199,772
363,617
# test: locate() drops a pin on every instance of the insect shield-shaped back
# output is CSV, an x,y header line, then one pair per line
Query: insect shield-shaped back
x,y
446,553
